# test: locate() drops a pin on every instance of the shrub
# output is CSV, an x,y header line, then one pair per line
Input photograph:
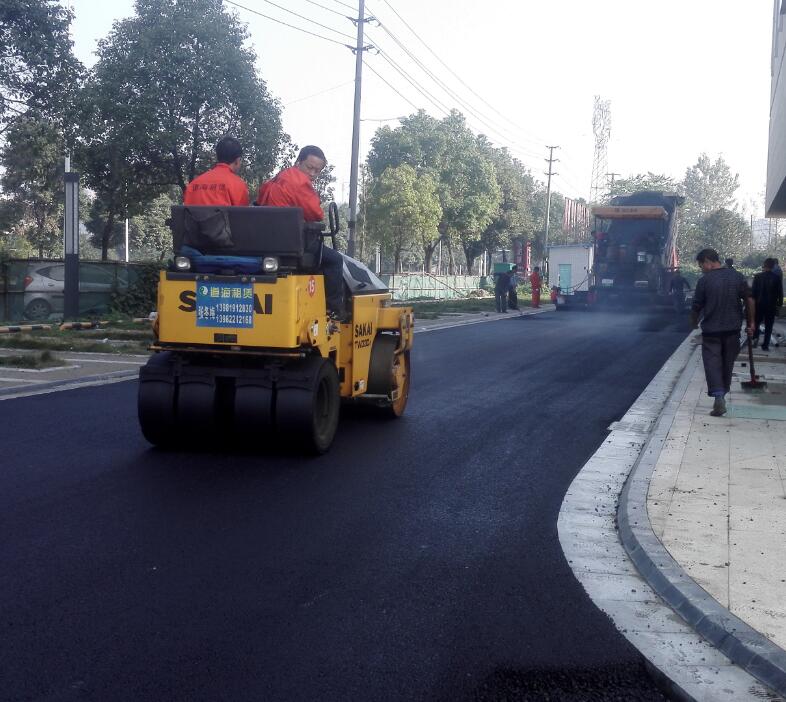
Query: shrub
x,y
139,298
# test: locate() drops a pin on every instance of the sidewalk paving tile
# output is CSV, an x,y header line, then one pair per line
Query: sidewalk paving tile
x,y
717,497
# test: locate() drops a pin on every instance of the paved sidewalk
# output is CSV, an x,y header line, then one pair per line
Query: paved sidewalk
x,y
717,496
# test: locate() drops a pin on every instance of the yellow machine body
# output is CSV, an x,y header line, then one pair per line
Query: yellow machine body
x,y
275,316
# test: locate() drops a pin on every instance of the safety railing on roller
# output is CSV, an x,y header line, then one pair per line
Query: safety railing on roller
x,y
414,286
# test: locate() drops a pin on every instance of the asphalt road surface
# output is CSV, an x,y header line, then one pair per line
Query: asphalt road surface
x,y
418,560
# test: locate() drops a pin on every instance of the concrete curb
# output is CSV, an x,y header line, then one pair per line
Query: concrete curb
x,y
742,644
477,318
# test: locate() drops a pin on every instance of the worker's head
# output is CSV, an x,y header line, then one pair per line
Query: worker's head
x,y
768,264
514,268
311,160
729,263
229,151
536,269
708,259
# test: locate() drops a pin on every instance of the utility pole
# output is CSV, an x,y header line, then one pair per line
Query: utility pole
x,y
353,173
551,160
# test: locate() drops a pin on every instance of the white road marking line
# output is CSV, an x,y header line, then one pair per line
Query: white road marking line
x,y
68,386
23,381
106,360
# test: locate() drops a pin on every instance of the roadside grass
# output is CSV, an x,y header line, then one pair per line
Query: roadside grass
x,y
45,359
433,309
106,340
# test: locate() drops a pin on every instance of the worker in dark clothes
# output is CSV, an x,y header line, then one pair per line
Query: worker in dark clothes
x,y
220,186
716,302
729,263
768,294
535,281
513,300
677,288
501,289
293,187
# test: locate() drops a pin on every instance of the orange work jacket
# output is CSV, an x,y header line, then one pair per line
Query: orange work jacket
x,y
292,188
218,186
534,280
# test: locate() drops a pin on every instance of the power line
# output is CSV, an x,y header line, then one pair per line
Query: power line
x,y
328,9
370,68
454,74
286,24
414,83
338,2
321,92
308,19
485,120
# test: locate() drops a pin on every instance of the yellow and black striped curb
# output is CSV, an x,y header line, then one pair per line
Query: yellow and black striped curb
x,y
24,328
82,325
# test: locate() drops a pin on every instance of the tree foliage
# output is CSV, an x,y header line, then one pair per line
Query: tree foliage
x,y
38,71
32,181
644,181
169,83
466,182
404,211
708,186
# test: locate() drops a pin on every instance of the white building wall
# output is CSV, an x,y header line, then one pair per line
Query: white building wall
x,y
776,158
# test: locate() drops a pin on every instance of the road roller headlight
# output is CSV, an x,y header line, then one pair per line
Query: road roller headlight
x,y
183,263
270,264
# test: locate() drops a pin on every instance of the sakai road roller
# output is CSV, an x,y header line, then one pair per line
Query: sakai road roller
x,y
246,350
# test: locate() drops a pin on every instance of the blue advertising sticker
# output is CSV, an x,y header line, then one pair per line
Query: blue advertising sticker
x,y
225,305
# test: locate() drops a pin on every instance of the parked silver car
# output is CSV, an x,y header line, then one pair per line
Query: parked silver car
x,y
44,283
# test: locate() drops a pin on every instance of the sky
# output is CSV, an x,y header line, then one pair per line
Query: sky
x,y
682,76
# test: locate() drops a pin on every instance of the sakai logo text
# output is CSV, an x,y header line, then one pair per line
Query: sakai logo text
x,y
363,334
188,300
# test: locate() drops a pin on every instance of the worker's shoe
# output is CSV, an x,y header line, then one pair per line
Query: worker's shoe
x,y
718,407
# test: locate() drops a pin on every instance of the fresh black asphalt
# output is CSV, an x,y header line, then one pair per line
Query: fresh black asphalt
x,y
418,560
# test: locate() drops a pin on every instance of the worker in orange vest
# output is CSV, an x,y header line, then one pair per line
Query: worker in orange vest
x,y
220,186
536,282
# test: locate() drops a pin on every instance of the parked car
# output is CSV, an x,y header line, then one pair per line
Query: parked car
x,y
44,284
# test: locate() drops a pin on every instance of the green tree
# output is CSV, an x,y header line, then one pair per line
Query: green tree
x,y
723,230
150,236
38,71
32,181
708,187
515,214
403,211
168,84
644,181
466,183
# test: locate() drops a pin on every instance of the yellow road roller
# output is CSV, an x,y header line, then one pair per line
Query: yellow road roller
x,y
245,348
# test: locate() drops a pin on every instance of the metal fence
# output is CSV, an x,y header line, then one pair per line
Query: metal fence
x,y
413,286
32,290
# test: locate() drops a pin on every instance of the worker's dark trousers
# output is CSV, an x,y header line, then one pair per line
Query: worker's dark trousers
x,y
513,300
719,351
333,269
501,300
767,316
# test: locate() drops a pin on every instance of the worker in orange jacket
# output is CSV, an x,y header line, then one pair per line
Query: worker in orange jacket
x,y
293,187
220,186
535,282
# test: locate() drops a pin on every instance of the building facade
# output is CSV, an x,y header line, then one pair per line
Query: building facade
x,y
776,157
